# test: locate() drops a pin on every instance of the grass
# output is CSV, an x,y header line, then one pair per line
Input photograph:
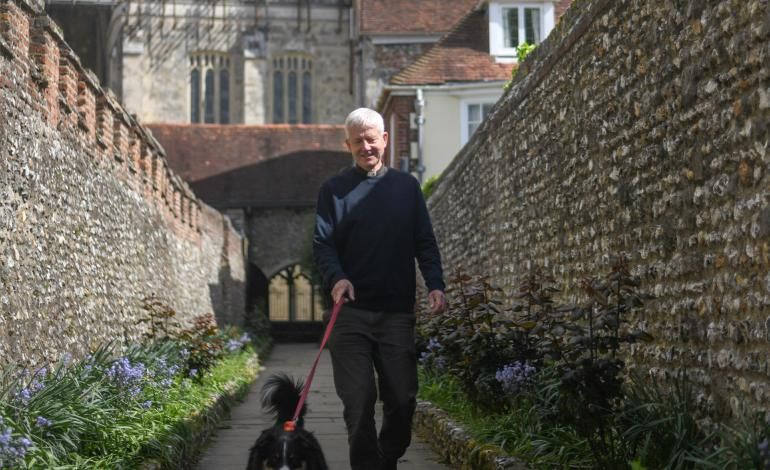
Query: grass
x,y
658,427
519,430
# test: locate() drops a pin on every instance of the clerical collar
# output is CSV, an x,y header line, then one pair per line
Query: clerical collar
x,y
373,173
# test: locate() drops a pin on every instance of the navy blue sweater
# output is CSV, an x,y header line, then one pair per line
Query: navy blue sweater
x,y
369,230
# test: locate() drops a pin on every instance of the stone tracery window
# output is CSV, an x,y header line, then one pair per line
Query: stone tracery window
x,y
292,97
210,88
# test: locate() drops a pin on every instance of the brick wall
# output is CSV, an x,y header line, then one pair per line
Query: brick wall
x,y
638,127
91,218
402,134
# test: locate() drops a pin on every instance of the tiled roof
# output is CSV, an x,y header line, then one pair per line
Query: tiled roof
x,y
411,16
462,55
199,151
271,165
289,181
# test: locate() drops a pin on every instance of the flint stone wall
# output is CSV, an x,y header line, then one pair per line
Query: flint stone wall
x,y
91,218
638,127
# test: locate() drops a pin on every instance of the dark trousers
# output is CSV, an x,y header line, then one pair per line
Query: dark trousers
x,y
361,343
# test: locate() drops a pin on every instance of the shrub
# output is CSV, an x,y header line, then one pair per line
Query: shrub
x,y
429,185
472,340
545,381
204,345
106,410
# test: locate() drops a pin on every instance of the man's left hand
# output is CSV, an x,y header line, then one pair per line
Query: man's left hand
x,y
437,301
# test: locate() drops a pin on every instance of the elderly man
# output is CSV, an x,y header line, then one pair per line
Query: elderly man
x,y
371,225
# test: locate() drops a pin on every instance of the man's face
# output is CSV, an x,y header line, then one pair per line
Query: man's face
x,y
367,146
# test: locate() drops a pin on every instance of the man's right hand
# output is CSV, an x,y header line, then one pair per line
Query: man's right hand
x,y
343,289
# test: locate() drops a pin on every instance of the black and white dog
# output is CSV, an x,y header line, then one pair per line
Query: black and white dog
x,y
279,447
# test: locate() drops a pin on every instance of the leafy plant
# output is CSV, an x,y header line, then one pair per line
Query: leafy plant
x,y
204,345
522,51
539,317
160,318
110,410
661,425
473,339
429,185
592,382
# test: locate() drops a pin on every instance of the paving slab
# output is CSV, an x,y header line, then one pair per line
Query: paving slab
x,y
229,448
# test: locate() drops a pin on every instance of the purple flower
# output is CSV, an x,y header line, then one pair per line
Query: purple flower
x,y
5,438
764,453
43,422
12,450
26,394
193,372
128,377
515,376
233,345
147,405
432,357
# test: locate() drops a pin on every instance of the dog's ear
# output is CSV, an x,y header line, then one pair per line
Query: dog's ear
x,y
314,456
259,451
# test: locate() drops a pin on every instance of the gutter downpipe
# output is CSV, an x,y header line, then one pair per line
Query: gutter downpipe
x,y
419,107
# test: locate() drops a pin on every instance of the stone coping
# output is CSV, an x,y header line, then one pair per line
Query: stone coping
x,y
456,446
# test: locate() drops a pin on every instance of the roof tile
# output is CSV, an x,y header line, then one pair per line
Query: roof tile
x,y
199,151
462,55
411,16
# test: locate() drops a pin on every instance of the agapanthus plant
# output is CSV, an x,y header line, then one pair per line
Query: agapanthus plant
x,y
515,377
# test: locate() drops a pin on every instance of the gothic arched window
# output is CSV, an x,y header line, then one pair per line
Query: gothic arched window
x,y
292,99
195,98
224,96
307,98
210,100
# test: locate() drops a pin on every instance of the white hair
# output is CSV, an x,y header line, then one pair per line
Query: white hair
x,y
363,118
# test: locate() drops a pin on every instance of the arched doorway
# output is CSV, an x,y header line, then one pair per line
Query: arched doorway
x,y
293,297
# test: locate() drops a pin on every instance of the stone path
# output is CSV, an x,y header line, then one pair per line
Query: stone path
x,y
230,446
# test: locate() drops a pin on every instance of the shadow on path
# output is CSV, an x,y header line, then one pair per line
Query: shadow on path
x,y
230,446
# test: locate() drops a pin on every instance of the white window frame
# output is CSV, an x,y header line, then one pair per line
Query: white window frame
x,y
496,31
464,121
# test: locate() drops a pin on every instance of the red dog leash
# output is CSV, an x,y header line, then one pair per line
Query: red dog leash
x,y
289,426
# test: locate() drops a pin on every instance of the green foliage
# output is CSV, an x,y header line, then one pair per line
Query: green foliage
x,y
110,410
117,409
592,384
578,409
472,340
519,430
429,185
204,343
522,51
661,425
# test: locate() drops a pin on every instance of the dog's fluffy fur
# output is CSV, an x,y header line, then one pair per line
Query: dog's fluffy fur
x,y
285,450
